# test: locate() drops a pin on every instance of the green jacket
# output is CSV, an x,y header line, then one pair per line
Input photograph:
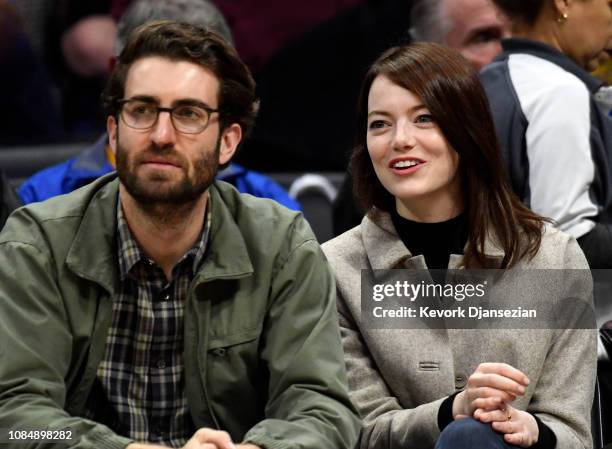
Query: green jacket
x,y
263,358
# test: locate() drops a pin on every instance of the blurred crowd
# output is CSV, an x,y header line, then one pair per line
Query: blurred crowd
x,y
308,62
56,57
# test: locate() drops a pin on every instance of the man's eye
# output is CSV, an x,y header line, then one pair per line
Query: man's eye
x,y
142,109
485,36
188,112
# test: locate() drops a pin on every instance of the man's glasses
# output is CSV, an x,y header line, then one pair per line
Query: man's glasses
x,y
186,118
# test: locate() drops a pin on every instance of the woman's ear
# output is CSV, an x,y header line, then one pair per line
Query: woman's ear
x,y
562,9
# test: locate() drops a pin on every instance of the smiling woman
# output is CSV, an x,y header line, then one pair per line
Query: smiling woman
x,y
428,168
410,155
424,103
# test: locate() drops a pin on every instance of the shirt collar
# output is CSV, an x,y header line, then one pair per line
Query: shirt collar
x,y
130,253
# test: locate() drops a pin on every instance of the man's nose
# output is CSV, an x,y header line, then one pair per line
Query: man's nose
x,y
163,131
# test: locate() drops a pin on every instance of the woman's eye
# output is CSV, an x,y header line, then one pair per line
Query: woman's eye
x,y
377,124
424,118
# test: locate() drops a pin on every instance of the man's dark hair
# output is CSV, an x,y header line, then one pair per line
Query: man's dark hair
x,y
449,87
525,11
185,42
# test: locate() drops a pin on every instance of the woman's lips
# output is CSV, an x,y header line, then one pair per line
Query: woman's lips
x,y
405,166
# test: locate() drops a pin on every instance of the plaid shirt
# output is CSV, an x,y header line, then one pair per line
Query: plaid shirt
x,y
140,387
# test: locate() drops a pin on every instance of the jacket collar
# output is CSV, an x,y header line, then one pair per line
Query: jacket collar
x,y
227,256
386,250
92,254
544,51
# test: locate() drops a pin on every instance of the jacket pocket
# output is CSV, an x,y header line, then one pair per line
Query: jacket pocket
x,y
235,372
237,338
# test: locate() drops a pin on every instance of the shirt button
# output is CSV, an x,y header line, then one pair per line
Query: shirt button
x,y
460,381
166,297
161,364
220,352
157,431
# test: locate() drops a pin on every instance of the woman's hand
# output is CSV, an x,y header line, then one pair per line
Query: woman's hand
x,y
519,428
490,387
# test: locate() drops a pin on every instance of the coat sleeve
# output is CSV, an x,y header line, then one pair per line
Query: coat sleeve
x,y
308,404
36,347
564,393
386,424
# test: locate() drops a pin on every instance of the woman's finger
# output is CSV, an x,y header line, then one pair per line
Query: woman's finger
x,y
518,439
488,404
488,392
505,370
496,381
506,426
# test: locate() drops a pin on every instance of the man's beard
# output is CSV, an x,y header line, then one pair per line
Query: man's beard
x,y
158,189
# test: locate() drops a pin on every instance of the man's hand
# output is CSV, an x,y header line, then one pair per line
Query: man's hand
x,y
519,428
204,438
490,387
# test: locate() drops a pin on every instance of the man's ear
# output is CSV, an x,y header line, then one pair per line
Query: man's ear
x,y
111,129
229,143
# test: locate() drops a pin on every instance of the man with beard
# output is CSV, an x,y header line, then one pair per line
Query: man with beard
x,y
164,308
98,159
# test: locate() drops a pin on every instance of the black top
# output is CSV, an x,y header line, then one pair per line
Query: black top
x,y
435,241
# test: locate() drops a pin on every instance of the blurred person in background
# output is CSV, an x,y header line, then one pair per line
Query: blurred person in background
x,y
29,113
472,27
602,68
556,141
99,159
80,37
475,28
75,40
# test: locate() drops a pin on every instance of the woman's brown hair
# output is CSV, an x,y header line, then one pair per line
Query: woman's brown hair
x,y
450,89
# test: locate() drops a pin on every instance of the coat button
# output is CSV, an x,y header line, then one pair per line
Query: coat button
x,y
161,364
460,381
219,352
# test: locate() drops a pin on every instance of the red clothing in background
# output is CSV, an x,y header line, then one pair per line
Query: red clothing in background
x,y
261,27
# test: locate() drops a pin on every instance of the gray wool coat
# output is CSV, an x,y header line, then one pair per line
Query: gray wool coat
x,y
399,377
